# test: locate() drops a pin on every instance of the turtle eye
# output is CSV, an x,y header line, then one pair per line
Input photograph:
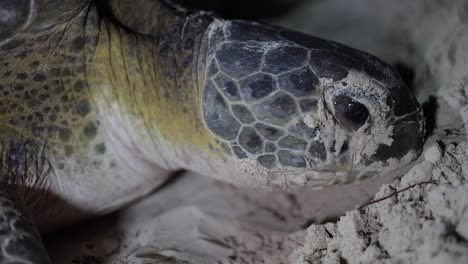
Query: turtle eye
x,y
350,113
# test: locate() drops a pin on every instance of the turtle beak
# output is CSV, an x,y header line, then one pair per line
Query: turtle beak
x,y
408,127
408,135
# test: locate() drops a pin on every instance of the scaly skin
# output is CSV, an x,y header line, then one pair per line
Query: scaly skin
x,y
99,105
60,143
78,104
80,99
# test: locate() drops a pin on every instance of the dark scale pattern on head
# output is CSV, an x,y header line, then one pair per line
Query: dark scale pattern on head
x,y
239,152
250,140
270,147
292,142
323,63
228,87
284,58
217,114
288,158
257,86
270,133
268,161
301,82
246,73
302,130
261,81
243,114
238,60
246,31
308,105
277,110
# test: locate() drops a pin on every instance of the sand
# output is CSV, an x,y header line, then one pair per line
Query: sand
x,y
420,218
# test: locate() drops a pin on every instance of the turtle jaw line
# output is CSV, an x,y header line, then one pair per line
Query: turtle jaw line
x,y
294,179
335,170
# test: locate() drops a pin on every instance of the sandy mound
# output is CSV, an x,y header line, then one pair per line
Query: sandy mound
x,y
422,218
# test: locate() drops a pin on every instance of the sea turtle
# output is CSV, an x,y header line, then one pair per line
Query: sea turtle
x,y
101,100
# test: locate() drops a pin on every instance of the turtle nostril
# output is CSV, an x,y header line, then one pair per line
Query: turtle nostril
x,y
430,108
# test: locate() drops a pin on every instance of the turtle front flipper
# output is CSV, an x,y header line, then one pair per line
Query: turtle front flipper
x,y
19,240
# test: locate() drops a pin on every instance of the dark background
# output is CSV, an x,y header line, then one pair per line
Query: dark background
x,y
245,9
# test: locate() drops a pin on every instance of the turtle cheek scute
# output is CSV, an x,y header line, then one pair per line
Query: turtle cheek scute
x,y
217,115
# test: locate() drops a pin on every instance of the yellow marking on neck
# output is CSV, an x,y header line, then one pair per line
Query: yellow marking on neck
x,y
127,69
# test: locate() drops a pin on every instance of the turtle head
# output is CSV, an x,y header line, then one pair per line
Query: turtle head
x,y
303,110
